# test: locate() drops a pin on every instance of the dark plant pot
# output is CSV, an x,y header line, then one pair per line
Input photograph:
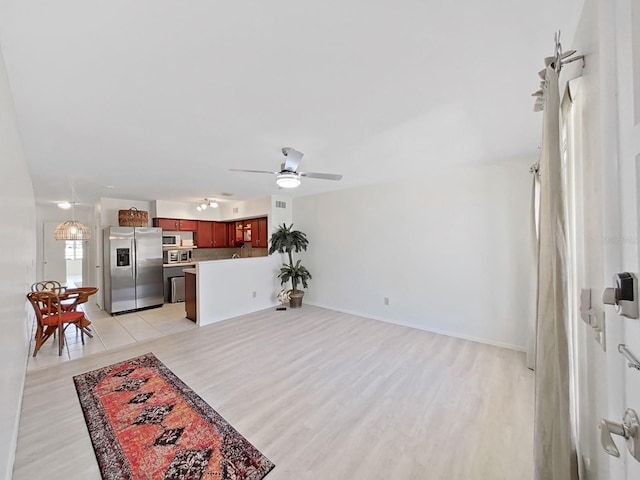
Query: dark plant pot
x,y
295,298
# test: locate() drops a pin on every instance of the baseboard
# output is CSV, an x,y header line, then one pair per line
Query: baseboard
x,y
518,348
230,317
16,426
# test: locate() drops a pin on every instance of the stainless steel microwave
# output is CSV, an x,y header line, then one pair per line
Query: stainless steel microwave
x,y
171,256
170,240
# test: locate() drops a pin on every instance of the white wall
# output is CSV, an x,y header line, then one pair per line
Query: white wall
x,y
280,215
183,210
245,209
109,208
17,242
225,288
227,210
451,251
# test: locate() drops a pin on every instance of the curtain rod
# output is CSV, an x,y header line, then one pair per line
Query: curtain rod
x,y
559,60
535,169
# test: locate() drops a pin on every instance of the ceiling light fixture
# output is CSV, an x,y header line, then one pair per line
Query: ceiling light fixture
x,y
288,180
72,229
64,205
207,203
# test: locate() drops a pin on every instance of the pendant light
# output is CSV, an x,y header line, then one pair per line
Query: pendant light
x,y
72,229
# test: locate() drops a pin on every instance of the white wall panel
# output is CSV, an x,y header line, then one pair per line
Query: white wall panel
x,y
17,243
226,287
451,251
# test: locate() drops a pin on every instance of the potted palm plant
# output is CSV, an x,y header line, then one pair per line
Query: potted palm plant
x,y
286,240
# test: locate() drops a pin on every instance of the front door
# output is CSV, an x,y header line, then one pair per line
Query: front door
x,y
627,29
604,184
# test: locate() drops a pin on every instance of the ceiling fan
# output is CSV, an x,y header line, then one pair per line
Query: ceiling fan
x,y
289,176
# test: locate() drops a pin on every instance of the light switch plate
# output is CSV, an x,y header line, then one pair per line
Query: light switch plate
x,y
585,306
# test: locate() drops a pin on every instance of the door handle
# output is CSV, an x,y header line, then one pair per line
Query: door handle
x,y
629,429
624,296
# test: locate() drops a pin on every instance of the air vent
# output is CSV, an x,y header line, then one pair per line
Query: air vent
x,y
226,194
280,204
235,209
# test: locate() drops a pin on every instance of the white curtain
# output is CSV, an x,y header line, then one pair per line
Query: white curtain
x,y
535,211
554,452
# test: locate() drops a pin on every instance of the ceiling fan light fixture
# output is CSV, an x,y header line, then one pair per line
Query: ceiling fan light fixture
x,y
288,180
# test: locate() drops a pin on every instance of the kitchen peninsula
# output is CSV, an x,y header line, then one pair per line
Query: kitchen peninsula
x,y
228,288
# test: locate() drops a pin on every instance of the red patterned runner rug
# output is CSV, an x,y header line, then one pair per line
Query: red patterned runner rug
x,y
145,423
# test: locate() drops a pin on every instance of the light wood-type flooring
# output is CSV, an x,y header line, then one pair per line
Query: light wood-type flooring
x,y
324,395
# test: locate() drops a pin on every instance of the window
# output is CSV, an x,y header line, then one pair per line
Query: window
x,y
73,250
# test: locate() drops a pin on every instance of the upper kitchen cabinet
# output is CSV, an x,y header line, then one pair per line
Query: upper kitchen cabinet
x,y
238,232
176,225
263,232
220,238
232,234
204,235
259,236
211,235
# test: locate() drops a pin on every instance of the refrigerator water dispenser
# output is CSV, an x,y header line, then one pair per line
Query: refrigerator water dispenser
x,y
123,257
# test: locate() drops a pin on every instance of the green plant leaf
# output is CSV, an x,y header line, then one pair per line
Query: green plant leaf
x,y
286,240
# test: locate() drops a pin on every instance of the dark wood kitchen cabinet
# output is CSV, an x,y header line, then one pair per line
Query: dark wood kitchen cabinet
x,y
231,235
211,234
188,225
190,296
220,238
176,224
204,235
259,234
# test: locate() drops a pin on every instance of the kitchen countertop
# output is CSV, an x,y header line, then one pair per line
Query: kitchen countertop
x,y
190,270
184,264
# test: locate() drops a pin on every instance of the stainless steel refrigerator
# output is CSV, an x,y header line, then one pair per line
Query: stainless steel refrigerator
x,y
132,268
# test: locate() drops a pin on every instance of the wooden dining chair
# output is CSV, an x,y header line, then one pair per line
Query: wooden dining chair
x,y
53,318
70,298
48,286
73,297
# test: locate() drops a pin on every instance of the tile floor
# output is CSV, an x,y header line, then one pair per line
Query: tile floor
x,y
112,332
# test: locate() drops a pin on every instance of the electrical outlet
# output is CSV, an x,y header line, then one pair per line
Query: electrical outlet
x,y
386,300
254,294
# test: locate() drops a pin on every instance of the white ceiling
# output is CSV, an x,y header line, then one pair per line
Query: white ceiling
x,y
159,98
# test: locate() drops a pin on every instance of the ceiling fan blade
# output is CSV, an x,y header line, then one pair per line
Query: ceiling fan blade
x,y
293,159
323,176
251,171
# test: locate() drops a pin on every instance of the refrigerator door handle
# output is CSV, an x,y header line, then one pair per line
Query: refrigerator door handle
x,y
133,257
135,241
